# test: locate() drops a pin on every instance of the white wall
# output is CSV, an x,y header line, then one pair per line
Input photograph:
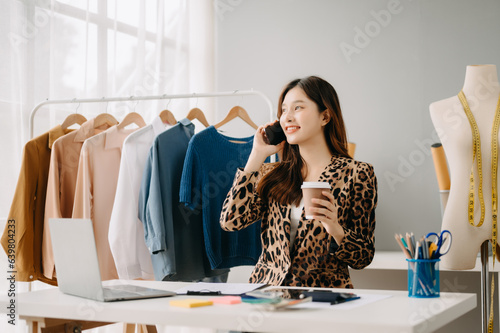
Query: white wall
x,y
414,57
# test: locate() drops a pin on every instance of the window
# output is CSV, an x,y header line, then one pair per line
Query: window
x,y
84,49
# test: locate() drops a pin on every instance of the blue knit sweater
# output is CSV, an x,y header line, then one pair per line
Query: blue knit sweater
x,y
209,169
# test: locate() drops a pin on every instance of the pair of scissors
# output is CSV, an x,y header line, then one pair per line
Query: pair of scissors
x,y
440,244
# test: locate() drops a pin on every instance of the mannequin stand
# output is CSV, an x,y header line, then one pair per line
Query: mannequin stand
x,y
485,283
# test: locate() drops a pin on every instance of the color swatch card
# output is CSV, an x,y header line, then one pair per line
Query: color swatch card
x,y
226,300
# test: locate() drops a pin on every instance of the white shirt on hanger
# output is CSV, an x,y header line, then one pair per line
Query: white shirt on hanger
x,y
126,232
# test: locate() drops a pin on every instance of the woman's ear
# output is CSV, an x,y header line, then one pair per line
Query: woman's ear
x,y
326,117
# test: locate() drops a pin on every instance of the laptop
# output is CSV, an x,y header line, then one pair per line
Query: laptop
x,y
77,265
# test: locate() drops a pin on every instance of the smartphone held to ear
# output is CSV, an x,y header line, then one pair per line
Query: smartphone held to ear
x,y
274,134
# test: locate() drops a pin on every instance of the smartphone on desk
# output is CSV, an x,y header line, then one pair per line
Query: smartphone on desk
x,y
317,295
331,297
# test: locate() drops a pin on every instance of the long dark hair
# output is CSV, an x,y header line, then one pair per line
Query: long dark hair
x,y
283,182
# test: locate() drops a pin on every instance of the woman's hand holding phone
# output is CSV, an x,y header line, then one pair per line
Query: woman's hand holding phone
x,y
261,150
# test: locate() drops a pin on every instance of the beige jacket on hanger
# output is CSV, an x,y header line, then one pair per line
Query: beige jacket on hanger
x,y
95,189
61,184
24,226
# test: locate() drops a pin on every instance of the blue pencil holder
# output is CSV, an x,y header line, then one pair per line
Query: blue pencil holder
x,y
423,278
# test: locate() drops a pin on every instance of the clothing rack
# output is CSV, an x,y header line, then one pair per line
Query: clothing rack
x,y
153,97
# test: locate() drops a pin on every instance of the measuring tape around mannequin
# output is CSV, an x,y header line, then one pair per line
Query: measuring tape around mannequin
x,y
476,143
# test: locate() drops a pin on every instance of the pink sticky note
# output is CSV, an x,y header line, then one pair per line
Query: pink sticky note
x,y
226,300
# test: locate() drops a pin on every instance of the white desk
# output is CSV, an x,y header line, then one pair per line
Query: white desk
x,y
397,314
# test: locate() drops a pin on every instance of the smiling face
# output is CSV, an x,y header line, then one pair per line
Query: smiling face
x,y
301,120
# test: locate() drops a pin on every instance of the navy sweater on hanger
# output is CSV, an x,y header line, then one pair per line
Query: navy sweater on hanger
x,y
209,169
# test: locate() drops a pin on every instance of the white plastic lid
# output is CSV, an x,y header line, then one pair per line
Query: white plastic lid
x,y
315,185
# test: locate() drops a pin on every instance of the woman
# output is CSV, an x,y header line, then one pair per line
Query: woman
x,y
297,251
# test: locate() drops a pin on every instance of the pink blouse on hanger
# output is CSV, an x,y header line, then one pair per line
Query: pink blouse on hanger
x,y
95,189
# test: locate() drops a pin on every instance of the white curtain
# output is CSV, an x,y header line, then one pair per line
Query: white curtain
x,y
95,48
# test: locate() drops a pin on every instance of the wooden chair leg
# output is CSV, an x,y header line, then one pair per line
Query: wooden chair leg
x,y
149,329
128,328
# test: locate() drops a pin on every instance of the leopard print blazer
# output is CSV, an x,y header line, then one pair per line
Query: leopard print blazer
x,y
314,260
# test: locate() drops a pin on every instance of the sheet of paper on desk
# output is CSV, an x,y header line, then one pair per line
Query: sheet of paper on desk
x,y
363,300
223,288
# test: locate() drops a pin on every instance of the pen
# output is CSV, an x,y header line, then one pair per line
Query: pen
x,y
415,268
413,242
203,293
426,271
425,248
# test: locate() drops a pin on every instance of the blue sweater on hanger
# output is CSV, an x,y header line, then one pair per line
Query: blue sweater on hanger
x,y
209,169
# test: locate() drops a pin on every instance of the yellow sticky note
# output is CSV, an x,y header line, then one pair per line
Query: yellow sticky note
x,y
190,303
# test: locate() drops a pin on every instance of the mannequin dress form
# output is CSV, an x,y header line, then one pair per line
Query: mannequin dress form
x,y
481,89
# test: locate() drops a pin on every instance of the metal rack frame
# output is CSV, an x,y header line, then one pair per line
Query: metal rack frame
x,y
153,97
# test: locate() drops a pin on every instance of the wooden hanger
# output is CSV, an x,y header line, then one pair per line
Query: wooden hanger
x,y
196,113
74,118
167,117
237,111
351,148
132,118
105,119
